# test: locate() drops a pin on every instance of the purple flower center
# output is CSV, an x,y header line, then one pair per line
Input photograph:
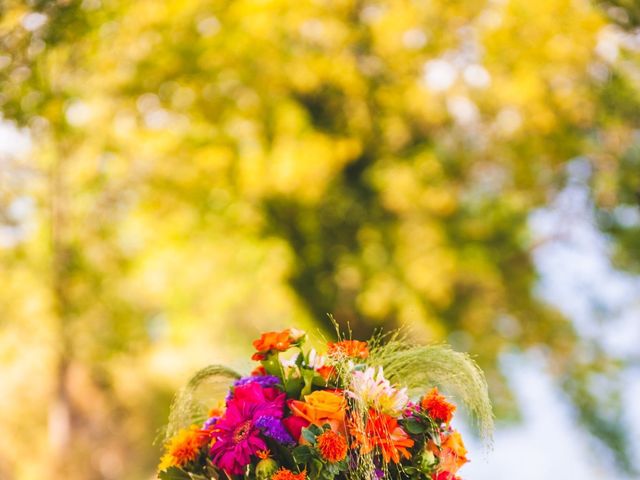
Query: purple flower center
x,y
242,431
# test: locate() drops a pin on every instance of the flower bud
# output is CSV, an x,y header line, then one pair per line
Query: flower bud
x,y
266,468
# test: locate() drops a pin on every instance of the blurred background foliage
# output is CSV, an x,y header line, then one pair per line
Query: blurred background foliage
x,y
199,171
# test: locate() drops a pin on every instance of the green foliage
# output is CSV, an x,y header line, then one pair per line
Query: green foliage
x,y
175,473
421,424
424,427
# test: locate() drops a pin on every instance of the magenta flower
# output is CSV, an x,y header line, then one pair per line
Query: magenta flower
x,y
238,433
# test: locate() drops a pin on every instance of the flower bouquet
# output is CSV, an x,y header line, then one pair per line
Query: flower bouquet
x,y
359,411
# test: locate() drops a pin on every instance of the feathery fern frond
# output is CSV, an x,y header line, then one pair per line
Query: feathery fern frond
x,y
420,367
194,401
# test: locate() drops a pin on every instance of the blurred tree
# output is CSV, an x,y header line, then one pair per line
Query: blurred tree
x,y
200,160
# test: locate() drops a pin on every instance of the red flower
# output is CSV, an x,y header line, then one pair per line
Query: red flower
x,y
444,476
294,426
437,406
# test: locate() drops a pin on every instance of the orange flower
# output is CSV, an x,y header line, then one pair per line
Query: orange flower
x,y
263,454
285,474
326,372
184,447
382,432
349,348
437,406
453,453
270,341
216,411
332,446
320,407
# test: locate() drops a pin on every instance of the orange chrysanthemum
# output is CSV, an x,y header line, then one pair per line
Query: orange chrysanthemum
x,y
286,474
184,447
350,348
382,432
271,341
332,446
437,406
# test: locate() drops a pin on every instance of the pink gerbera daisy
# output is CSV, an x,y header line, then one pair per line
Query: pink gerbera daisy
x,y
238,434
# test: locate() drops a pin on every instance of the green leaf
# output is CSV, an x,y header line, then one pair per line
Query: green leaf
x,y
302,454
307,376
316,466
174,473
282,453
309,435
342,465
293,387
273,366
319,381
414,427
332,468
327,475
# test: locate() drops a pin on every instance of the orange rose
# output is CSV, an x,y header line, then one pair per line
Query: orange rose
x,y
320,407
453,454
